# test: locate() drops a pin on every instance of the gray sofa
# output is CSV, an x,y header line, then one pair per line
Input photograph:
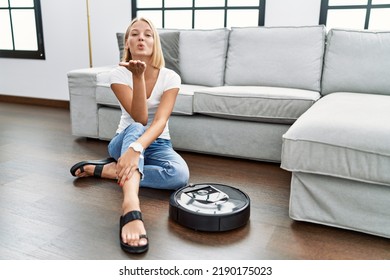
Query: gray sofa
x,y
339,150
272,94
242,89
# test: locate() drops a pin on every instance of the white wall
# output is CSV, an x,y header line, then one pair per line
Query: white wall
x,y
66,41
66,47
107,18
288,13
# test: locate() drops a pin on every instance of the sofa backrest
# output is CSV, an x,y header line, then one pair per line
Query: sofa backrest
x,y
276,56
198,56
357,61
169,39
202,56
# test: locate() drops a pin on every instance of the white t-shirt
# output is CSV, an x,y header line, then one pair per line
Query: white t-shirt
x,y
167,79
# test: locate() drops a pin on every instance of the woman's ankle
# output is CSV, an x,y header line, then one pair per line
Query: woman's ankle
x,y
130,205
109,171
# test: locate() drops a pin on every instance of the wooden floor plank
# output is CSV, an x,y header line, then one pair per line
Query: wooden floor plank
x,y
45,213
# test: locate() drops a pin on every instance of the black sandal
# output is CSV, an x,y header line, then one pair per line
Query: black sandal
x,y
98,166
128,217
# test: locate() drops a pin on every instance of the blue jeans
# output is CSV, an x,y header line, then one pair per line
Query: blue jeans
x,y
160,166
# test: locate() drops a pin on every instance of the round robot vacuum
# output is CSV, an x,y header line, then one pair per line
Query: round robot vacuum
x,y
210,207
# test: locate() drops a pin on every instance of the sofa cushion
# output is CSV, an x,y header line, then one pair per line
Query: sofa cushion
x,y
357,61
185,100
344,135
270,104
120,37
105,96
108,122
276,56
202,56
183,104
169,45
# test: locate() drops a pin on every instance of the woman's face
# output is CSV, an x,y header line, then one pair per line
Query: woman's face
x,y
140,40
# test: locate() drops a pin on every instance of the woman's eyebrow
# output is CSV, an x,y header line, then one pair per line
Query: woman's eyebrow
x,y
146,30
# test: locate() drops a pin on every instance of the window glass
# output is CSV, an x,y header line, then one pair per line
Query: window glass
x,y
23,23
209,19
21,34
376,2
208,3
242,18
4,3
5,31
347,2
22,3
149,4
243,3
154,16
353,18
201,14
357,14
178,3
379,19
178,19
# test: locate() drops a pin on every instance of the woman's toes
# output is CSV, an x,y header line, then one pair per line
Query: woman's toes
x,y
142,242
133,239
85,171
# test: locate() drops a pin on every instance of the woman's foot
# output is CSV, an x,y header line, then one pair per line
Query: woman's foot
x,y
134,229
132,233
98,168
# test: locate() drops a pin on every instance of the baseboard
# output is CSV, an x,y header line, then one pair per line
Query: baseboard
x,y
34,101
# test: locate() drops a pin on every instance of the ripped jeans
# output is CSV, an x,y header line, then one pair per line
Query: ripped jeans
x,y
160,166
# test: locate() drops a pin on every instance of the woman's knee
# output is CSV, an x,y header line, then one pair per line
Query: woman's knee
x,y
136,129
180,176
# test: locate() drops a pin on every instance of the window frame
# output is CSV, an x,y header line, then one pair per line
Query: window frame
x,y
325,7
193,8
28,54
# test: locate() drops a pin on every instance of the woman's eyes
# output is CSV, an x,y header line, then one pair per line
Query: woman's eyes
x,y
146,35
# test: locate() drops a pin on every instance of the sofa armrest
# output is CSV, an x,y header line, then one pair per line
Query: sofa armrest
x,y
83,107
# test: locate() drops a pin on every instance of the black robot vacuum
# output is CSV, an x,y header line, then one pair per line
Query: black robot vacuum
x,y
210,207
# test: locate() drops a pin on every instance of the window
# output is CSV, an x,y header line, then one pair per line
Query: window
x,y
357,14
21,33
201,14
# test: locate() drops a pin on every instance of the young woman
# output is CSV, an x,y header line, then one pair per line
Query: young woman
x,y
141,151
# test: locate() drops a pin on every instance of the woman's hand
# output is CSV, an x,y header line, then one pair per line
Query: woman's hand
x,y
127,165
135,103
137,67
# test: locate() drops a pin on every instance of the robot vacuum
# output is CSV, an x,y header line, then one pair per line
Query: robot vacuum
x,y
209,207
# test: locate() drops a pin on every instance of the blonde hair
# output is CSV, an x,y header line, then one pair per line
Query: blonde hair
x,y
157,55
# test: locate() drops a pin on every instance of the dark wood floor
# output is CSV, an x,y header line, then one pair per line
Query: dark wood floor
x,y
45,213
